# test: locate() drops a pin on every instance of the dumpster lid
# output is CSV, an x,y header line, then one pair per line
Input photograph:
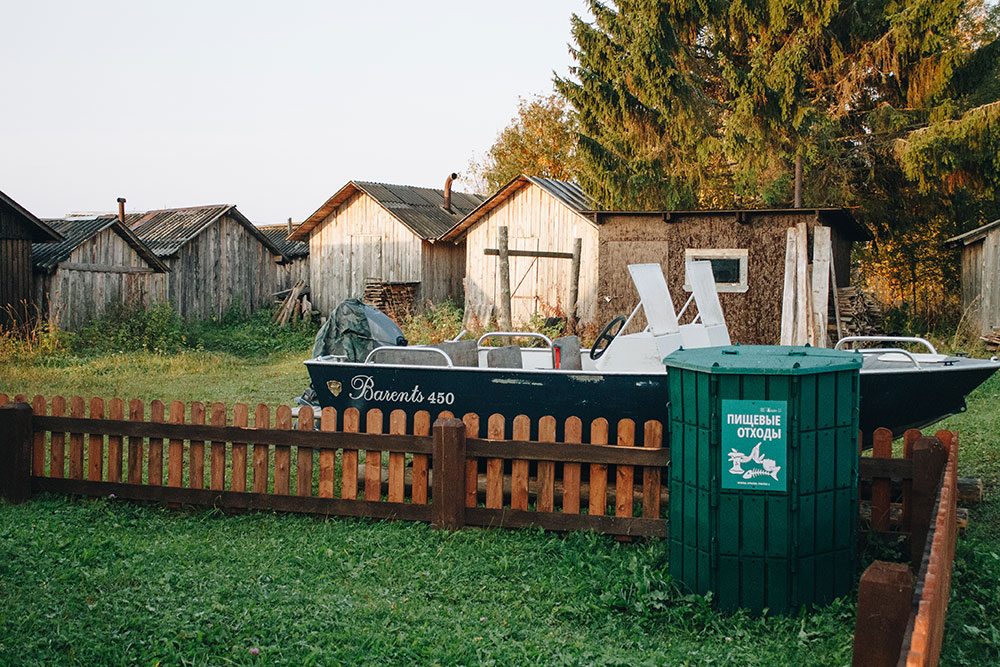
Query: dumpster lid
x,y
764,360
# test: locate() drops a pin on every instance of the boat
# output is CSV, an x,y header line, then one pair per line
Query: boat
x,y
622,376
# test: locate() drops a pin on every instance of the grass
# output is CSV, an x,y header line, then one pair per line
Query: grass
x,y
99,582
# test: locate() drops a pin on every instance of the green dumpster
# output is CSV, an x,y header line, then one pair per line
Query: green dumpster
x,y
763,474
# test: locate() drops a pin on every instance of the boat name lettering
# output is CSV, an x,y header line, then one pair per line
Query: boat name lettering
x,y
363,387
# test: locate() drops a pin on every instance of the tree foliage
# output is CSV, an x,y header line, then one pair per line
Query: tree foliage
x,y
892,104
540,141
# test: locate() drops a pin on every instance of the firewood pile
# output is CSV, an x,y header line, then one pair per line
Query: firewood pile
x,y
293,303
860,314
393,299
992,340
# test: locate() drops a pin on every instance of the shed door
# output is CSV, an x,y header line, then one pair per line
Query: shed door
x,y
524,298
366,261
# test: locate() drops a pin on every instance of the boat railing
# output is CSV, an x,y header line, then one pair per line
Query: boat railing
x,y
370,359
514,334
888,339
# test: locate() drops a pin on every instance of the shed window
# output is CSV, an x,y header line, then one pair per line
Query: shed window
x,y
729,266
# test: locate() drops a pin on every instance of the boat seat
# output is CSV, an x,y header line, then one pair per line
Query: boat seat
x,y
570,358
462,352
711,329
508,356
655,298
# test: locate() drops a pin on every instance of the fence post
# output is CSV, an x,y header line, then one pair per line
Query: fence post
x,y
15,452
885,596
448,483
929,458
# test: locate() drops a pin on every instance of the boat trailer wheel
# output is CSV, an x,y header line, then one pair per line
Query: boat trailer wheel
x,y
596,350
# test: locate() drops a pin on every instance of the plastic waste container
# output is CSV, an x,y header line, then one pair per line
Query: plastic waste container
x,y
763,474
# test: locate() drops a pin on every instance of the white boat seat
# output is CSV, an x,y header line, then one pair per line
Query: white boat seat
x,y
711,329
508,356
641,352
570,358
655,298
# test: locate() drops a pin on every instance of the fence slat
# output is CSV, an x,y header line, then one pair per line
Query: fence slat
x,y
155,470
38,440
546,499
881,488
471,421
327,457
494,467
625,475
598,471
571,471
304,456
373,458
175,449
282,453
76,409
519,467
421,426
349,460
241,418
116,412
196,450
397,460
906,518
136,413
261,454
217,451
653,439
95,444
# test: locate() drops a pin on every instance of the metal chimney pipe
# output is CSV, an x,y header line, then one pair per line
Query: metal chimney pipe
x,y
447,192
121,210
289,226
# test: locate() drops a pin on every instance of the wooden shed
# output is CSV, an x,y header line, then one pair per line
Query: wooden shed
x,y
19,229
389,234
746,248
99,263
294,263
540,214
980,276
217,258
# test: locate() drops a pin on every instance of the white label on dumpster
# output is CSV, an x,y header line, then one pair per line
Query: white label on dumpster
x,y
754,445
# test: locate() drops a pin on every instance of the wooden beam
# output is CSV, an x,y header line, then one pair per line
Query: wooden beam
x,y
788,295
504,315
546,254
574,286
822,261
801,285
104,268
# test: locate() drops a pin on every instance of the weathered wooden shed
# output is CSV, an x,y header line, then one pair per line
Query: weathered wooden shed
x,y
746,248
217,258
99,263
294,263
19,229
540,214
387,233
980,276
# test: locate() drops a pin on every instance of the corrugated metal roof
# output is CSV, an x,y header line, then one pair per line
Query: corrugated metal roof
x,y
569,194
167,231
417,208
76,231
278,235
43,232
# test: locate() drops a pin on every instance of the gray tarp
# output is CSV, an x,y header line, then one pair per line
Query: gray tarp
x,y
354,329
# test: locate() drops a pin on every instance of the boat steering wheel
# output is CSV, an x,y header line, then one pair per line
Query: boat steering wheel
x,y
597,350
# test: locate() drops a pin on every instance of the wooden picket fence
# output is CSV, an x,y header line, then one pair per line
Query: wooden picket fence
x,y
900,617
353,465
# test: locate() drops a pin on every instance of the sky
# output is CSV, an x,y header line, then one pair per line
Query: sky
x,y
272,106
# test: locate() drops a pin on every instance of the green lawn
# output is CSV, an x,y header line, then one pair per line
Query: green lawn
x,y
97,582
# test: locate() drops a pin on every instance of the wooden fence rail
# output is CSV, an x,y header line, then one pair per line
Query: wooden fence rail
x,y
900,619
174,456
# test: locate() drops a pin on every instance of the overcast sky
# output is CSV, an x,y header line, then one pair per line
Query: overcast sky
x,y
271,106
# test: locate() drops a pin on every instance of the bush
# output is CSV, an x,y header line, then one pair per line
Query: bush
x,y
437,324
30,338
156,328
